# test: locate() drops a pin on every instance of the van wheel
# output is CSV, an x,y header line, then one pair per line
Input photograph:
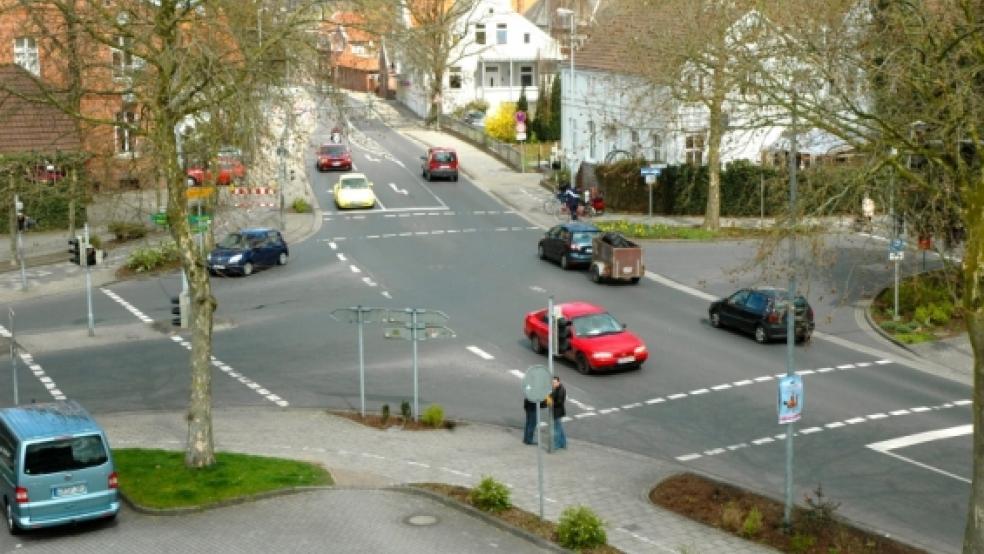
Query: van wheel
x,y
11,526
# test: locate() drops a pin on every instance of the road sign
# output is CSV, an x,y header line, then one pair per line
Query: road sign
x,y
650,170
536,383
521,117
896,256
405,332
790,398
160,218
520,136
426,317
650,179
195,193
369,315
897,245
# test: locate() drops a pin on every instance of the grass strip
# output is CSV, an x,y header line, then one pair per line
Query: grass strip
x,y
159,479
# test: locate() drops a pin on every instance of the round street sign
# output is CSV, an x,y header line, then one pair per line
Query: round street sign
x,y
536,383
520,117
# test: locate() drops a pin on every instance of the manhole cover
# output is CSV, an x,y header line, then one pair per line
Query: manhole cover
x,y
421,520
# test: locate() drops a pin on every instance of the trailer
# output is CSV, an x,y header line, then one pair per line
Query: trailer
x,y
614,257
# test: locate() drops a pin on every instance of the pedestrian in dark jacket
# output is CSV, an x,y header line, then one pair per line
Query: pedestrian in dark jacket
x,y
557,398
530,408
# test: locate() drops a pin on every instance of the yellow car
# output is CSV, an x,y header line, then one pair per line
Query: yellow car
x,y
354,190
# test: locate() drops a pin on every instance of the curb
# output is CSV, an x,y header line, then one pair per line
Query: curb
x,y
478,514
220,504
866,306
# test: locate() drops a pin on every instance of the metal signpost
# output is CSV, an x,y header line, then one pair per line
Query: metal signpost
x,y
536,386
19,208
13,355
88,279
896,253
651,173
361,315
415,324
521,137
787,513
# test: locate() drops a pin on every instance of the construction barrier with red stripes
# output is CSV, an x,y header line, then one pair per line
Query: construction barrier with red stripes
x,y
254,197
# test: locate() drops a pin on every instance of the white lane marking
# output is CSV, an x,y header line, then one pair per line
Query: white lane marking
x,y
36,369
480,353
633,405
187,345
535,288
398,190
742,383
655,400
886,446
355,269
369,281
386,294
372,236
699,392
332,245
581,405
517,373
676,396
721,387
341,257
877,416
882,446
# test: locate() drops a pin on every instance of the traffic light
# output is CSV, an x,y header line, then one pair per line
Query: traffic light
x,y
176,311
564,333
74,250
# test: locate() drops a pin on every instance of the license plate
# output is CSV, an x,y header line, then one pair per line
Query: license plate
x,y
216,266
626,359
71,490
626,270
445,167
336,163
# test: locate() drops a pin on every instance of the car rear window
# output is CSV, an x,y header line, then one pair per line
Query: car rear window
x,y
583,237
355,183
68,454
444,157
332,150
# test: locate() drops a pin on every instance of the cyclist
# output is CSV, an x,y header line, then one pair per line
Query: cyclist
x,y
570,199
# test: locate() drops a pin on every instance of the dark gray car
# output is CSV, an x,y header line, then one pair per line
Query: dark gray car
x,y
761,312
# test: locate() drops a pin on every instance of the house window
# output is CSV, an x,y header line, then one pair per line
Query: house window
x,y
122,56
526,38
26,54
695,149
125,120
591,139
526,75
491,75
359,49
454,77
500,33
479,33
657,148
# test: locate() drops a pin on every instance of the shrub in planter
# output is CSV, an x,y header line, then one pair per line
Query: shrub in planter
x,y
405,410
731,516
301,206
580,528
889,326
125,230
490,495
752,525
153,257
385,413
433,416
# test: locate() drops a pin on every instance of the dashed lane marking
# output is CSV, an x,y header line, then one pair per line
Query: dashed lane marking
x,y
47,382
218,364
829,427
480,353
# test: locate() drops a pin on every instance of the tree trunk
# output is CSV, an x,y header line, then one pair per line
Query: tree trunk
x,y
715,132
973,305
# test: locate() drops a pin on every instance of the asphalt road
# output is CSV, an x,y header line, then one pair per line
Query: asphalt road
x,y
706,398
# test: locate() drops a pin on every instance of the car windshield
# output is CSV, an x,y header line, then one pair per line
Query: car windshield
x,y
64,455
583,237
233,240
332,150
596,324
355,183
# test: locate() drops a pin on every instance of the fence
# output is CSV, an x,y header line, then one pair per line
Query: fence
x,y
506,152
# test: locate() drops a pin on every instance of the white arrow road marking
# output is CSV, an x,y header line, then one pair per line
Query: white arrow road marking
x,y
480,353
341,257
399,163
355,269
398,190
369,158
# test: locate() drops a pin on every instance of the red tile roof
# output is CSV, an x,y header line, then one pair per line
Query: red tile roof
x,y
27,126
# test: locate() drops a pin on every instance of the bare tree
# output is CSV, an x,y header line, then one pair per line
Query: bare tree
x,y
175,61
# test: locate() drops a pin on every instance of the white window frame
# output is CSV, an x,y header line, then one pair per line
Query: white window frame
x,y
126,142
124,62
480,33
526,38
592,136
493,69
657,146
526,71
501,33
26,54
694,148
454,77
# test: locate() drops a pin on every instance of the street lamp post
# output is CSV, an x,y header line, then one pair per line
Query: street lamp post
x,y
564,12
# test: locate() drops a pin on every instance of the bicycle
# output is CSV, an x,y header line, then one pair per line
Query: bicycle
x,y
559,209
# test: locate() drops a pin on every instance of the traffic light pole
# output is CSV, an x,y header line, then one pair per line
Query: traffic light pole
x,y
551,331
88,279
13,355
19,209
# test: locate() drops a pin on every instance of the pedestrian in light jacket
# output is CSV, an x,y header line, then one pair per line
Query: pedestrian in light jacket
x,y
557,398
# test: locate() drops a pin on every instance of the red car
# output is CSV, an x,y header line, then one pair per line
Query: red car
x,y
334,156
230,166
439,162
589,336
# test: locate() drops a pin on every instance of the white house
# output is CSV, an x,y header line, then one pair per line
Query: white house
x,y
614,112
502,52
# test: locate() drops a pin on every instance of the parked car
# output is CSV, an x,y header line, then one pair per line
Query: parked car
x,y
439,162
226,169
354,190
588,336
568,244
762,313
56,467
241,252
474,118
334,156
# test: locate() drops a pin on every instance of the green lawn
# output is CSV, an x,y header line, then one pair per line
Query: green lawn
x,y
159,479
660,231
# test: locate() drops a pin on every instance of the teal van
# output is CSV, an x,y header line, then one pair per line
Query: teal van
x,y
55,467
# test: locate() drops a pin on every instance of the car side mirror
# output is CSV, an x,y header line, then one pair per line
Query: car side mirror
x,y
625,326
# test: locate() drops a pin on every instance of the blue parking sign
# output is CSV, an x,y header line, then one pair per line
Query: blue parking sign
x,y
790,398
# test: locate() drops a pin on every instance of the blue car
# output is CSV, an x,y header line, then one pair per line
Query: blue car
x,y
569,244
243,251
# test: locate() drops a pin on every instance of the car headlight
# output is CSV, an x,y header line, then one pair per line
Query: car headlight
x,y
236,258
640,349
602,355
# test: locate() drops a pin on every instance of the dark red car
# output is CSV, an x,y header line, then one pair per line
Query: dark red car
x,y
439,162
334,156
588,336
226,169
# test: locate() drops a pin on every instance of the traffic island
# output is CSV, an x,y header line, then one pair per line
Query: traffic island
x,y
816,529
